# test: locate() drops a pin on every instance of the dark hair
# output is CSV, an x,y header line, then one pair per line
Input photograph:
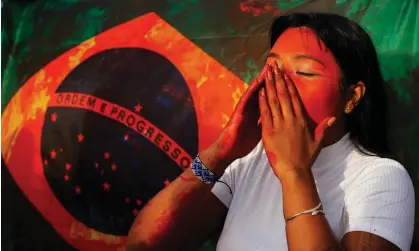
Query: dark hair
x,y
357,58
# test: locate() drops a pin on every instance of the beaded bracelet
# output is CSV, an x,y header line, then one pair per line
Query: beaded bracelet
x,y
204,174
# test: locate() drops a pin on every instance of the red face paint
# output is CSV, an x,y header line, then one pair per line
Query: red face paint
x,y
147,205
229,134
167,219
270,133
271,157
313,69
187,179
164,222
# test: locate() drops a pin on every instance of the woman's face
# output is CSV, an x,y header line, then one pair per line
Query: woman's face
x,y
313,69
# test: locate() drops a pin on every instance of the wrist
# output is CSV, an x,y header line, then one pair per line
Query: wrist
x,y
299,191
214,160
298,183
296,176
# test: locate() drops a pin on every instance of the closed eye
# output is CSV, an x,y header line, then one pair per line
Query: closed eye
x,y
306,74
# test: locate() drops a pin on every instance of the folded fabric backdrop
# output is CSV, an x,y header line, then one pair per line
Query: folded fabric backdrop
x,y
105,103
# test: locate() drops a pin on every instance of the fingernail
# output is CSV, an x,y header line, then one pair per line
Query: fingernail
x,y
276,69
262,92
280,65
269,74
331,121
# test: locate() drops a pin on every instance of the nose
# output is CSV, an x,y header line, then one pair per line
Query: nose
x,y
277,62
281,66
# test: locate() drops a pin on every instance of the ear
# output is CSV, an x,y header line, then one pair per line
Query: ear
x,y
353,95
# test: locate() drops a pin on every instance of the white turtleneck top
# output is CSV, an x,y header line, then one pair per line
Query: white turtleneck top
x,y
358,193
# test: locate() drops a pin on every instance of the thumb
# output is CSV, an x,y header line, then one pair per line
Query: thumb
x,y
322,129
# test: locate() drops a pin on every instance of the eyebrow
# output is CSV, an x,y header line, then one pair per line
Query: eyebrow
x,y
274,55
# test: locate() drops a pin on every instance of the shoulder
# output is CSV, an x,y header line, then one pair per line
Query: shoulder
x,y
380,199
376,173
378,181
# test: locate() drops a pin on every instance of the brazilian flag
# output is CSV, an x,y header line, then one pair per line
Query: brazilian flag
x,y
104,103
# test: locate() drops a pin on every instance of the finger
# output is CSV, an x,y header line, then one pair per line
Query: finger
x,y
322,129
295,98
253,88
272,97
262,73
257,82
265,111
283,94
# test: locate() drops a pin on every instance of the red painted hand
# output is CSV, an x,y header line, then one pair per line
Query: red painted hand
x,y
242,132
288,141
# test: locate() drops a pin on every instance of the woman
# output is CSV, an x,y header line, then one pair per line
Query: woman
x,y
320,178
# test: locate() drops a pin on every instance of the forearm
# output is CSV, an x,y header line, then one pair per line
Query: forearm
x,y
305,232
174,217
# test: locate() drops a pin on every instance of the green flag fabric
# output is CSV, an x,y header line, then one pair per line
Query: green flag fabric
x,y
77,181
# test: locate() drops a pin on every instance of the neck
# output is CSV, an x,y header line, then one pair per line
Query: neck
x,y
335,133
